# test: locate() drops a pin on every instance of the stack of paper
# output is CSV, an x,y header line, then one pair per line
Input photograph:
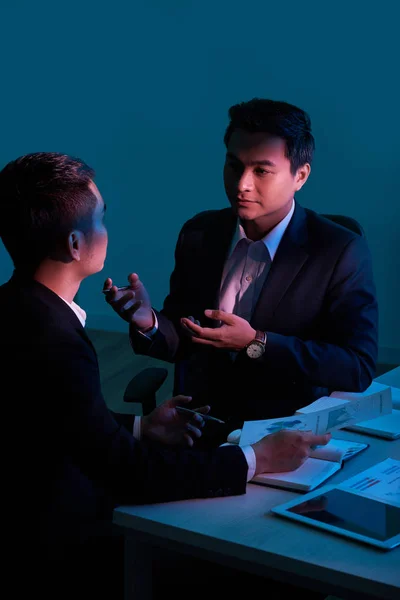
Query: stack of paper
x,y
386,426
347,409
392,379
340,410
326,414
380,482
367,412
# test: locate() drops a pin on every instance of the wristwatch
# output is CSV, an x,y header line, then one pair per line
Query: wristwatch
x,y
256,348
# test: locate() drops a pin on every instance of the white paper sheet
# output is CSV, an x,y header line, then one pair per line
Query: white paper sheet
x,y
382,482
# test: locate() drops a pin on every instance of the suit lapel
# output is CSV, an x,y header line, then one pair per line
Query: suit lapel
x,y
289,259
81,331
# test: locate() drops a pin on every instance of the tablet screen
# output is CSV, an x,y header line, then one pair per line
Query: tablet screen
x,y
347,511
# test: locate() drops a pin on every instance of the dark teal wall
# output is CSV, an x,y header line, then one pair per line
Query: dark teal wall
x,y
140,90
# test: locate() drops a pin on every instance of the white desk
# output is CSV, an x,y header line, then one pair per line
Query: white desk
x,y
240,532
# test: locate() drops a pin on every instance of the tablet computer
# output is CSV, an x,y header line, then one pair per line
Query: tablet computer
x,y
346,513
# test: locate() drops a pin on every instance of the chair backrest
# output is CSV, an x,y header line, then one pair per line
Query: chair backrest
x,y
348,222
143,388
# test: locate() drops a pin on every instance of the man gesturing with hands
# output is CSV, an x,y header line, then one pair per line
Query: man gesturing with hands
x,y
281,451
73,457
271,305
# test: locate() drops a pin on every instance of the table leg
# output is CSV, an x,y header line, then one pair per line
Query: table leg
x,y
138,570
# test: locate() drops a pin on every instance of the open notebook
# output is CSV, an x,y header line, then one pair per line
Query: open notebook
x,y
322,463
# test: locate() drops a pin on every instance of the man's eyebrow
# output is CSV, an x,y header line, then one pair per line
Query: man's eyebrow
x,y
264,162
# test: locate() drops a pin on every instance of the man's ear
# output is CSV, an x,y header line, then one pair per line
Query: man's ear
x,y
75,244
302,175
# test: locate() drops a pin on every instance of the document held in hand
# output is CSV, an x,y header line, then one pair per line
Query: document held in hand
x,y
385,425
339,410
344,409
367,412
326,414
323,462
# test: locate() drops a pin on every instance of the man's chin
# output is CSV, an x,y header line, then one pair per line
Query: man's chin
x,y
246,213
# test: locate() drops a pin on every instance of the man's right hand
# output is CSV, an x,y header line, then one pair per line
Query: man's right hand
x,y
285,450
133,304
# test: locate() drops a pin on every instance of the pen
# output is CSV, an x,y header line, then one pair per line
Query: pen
x,y
120,289
187,411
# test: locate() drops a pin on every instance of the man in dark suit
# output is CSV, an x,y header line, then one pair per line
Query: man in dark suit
x,y
279,302
70,461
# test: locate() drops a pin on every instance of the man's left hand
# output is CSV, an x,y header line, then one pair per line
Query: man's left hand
x,y
234,334
164,424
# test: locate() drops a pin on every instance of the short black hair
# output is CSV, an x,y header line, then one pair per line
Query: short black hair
x,y
43,197
278,119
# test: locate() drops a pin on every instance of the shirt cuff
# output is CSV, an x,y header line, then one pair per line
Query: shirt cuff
x,y
150,334
137,428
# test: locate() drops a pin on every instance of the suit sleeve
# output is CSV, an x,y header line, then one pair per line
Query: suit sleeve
x,y
345,353
107,452
122,419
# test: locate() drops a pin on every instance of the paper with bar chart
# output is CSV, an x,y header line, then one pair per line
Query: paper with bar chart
x,y
380,482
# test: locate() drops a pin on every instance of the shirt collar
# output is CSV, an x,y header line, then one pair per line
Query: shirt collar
x,y
271,240
80,313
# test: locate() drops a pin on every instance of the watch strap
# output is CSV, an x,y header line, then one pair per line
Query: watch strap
x,y
260,337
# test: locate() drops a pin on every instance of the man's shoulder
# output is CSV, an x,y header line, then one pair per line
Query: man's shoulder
x,y
333,229
26,315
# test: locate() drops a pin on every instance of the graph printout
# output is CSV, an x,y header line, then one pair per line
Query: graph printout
x,y
381,482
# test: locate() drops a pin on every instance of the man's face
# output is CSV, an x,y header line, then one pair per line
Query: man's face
x,y
95,249
257,177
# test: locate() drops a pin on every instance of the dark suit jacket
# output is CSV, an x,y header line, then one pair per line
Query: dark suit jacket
x,y
318,307
69,459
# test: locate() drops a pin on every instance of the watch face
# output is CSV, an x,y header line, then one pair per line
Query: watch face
x,y
255,350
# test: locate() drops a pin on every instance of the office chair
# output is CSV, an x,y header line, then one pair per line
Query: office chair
x,y
347,222
143,387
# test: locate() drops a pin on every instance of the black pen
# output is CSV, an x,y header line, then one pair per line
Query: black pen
x,y
187,411
120,289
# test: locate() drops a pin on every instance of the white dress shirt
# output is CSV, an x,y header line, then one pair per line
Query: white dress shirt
x,y
80,313
247,267
243,277
247,450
